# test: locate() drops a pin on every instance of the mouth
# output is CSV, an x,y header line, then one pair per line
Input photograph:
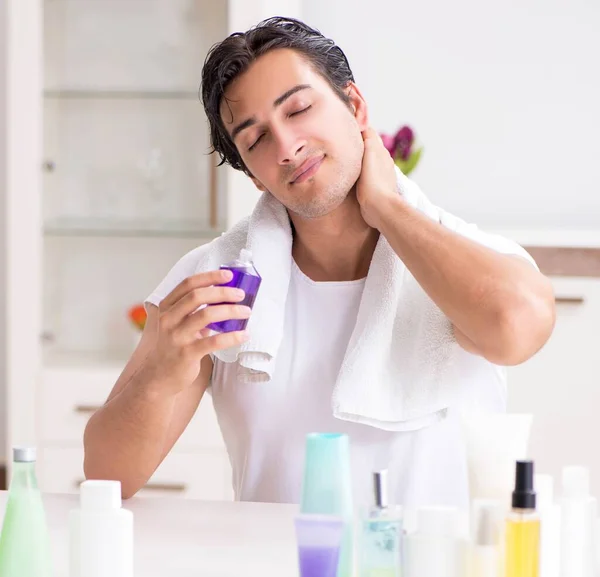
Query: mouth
x,y
307,169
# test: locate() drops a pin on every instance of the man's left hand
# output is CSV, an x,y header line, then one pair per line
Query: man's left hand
x,y
377,184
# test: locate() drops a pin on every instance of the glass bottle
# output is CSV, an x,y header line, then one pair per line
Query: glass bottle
x,y
25,540
380,550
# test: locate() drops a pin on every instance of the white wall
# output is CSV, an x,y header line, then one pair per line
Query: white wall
x,y
242,195
21,137
504,95
3,263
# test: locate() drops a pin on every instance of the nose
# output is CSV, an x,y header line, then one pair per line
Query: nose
x,y
289,145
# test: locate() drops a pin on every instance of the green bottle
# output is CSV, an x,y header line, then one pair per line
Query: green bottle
x,y
25,542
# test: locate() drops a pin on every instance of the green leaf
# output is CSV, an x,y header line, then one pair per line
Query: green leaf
x,y
408,165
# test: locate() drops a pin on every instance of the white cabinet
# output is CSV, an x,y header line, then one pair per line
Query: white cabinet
x,y
561,384
127,190
197,466
203,476
70,394
127,185
104,184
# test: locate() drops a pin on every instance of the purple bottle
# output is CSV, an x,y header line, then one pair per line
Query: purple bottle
x,y
245,277
318,561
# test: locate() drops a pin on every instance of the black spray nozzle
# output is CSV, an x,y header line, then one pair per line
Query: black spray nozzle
x,y
523,496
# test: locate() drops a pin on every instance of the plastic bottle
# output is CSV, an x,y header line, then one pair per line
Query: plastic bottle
x,y
578,519
25,540
100,532
435,549
485,548
245,277
549,526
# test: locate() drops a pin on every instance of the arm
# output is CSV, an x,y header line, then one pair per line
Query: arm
x,y
161,386
139,424
501,307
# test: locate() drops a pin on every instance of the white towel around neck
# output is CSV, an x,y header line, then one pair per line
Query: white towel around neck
x,y
398,370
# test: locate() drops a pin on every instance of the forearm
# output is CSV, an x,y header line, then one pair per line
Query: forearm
x,y
501,304
124,440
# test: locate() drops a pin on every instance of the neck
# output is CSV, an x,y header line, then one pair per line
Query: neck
x,y
335,247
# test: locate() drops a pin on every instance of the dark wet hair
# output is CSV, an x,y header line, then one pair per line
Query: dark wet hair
x,y
230,58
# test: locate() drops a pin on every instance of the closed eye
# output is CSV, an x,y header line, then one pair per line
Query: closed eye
x,y
290,115
255,142
301,111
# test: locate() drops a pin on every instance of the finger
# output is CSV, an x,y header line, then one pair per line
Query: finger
x,y
197,298
215,314
219,342
203,333
369,132
193,282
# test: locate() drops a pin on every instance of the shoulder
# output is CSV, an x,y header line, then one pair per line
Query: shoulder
x,y
203,258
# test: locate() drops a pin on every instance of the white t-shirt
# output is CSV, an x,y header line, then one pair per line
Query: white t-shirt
x,y
264,425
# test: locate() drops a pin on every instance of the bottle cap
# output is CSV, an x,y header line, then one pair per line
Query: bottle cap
x,y
523,496
487,520
100,495
438,521
24,454
380,488
575,482
544,489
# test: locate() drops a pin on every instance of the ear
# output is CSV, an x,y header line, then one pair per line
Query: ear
x,y
258,184
358,105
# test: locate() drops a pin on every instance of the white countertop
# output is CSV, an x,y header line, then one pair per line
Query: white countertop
x,y
185,538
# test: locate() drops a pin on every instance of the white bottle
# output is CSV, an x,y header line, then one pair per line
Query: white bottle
x,y
578,515
435,549
101,532
550,526
485,548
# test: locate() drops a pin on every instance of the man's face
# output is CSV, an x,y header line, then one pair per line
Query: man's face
x,y
297,138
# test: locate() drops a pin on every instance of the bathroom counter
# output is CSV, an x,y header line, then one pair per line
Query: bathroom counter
x,y
185,538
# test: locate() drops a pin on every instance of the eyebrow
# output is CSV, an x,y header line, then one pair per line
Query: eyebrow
x,y
278,102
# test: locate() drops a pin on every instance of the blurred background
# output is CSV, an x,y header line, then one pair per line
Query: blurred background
x,y
105,181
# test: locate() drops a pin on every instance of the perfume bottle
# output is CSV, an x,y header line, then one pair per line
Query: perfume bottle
x,y
245,277
523,527
381,546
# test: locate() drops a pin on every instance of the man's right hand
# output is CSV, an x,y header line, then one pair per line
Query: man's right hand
x,y
183,339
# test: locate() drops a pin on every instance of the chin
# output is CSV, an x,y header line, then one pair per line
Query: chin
x,y
319,206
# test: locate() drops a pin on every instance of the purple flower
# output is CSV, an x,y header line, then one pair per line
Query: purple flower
x,y
403,142
389,142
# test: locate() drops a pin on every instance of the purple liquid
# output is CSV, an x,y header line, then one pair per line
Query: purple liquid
x,y
318,561
250,284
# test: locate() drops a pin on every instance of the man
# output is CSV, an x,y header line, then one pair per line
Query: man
x,y
283,107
